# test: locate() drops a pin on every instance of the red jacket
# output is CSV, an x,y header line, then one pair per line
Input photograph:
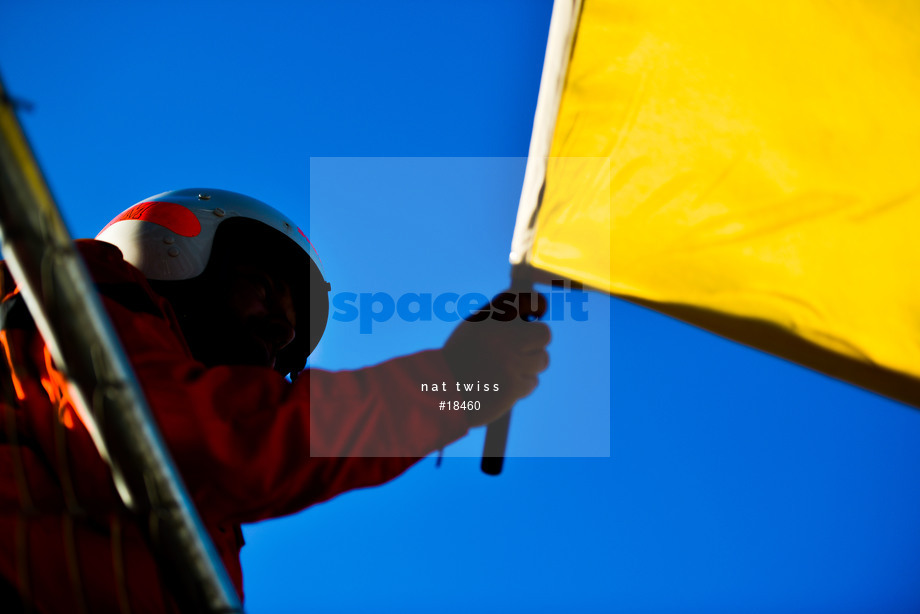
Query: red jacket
x,y
241,437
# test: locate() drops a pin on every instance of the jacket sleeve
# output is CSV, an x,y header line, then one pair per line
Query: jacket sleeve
x,y
252,445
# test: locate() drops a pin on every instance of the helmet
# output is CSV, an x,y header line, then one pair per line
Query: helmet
x,y
171,237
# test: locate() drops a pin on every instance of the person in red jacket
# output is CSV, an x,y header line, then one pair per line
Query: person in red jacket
x,y
218,299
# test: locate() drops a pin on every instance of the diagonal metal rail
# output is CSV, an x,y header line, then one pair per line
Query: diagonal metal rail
x,y
64,304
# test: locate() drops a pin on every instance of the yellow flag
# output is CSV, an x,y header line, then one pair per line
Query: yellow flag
x,y
750,167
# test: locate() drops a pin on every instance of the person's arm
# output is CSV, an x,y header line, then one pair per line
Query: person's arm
x,y
251,445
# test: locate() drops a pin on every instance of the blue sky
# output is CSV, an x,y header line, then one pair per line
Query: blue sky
x,y
395,132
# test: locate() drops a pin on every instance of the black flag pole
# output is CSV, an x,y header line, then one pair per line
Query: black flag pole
x,y
493,451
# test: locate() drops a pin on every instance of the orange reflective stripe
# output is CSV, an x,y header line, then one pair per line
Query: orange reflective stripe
x,y
55,384
17,385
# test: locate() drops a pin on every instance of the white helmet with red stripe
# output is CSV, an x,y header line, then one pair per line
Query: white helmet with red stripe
x,y
170,237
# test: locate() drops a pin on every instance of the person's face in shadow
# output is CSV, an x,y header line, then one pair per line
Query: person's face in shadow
x,y
261,319
236,314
